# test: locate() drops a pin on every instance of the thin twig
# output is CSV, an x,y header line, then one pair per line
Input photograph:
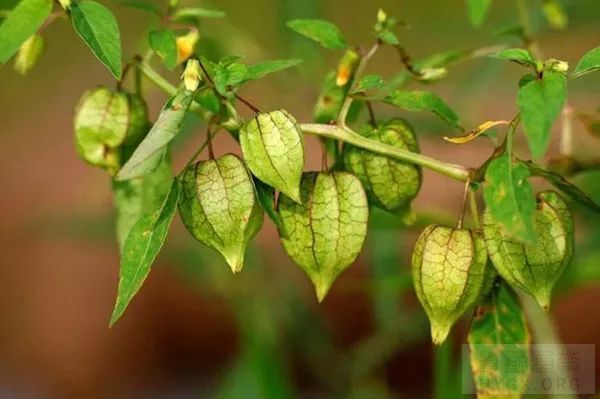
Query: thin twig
x,y
50,19
248,104
343,114
464,204
372,119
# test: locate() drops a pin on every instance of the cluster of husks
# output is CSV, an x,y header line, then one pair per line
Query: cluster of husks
x,y
451,269
323,216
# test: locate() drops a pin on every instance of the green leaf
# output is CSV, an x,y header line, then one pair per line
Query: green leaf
x,y
98,28
478,10
228,75
518,55
509,198
540,103
327,228
499,346
141,5
147,155
323,32
262,69
565,186
139,197
197,12
388,37
588,63
163,43
368,82
141,248
266,197
273,148
416,100
20,23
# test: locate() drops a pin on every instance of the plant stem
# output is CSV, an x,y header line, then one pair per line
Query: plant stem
x,y
347,135
344,134
544,332
442,365
362,64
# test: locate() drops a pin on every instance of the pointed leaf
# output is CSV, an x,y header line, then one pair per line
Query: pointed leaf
x,y
478,10
264,68
417,100
321,31
141,248
518,55
565,186
147,155
478,131
509,198
20,23
588,63
499,346
228,75
163,43
540,102
197,12
98,28
139,197
368,82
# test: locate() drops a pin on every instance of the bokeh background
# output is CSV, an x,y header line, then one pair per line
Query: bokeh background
x,y
197,331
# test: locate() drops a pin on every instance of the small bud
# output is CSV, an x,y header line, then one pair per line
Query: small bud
x,y
381,16
346,67
65,4
432,74
557,65
29,53
191,75
186,45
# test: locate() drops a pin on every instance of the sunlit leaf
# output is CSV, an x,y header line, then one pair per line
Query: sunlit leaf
x,y
478,131
169,123
540,102
98,28
509,197
20,23
264,68
417,100
321,31
163,43
141,248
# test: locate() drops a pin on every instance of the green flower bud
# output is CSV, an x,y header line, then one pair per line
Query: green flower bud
x,y
219,207
29,52
325,232
273,148
534,268
448,267
108,125
390,184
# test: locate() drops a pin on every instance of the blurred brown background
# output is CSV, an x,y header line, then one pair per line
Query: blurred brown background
x,y
187,332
